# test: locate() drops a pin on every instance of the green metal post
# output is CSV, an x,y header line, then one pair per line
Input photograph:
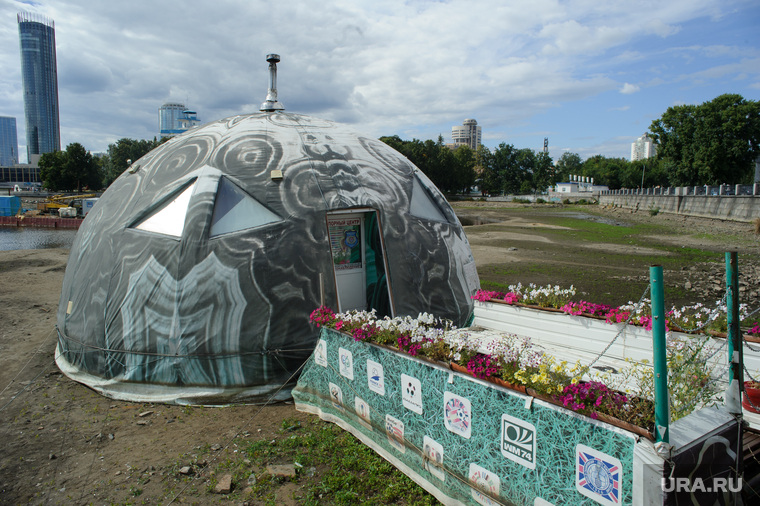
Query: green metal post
x,y
735,352
661,402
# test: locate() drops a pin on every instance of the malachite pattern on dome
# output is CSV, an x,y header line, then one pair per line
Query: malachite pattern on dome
x,y
192,279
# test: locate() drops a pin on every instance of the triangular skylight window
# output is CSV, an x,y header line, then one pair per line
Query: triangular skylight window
x,y
170,218
235,210
422,206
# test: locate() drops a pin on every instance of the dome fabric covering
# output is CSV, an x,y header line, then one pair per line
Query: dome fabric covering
x,y
192,279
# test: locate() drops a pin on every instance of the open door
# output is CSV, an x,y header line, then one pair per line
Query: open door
x,y
359,262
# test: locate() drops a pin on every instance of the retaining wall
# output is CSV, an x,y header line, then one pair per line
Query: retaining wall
x,y
725,207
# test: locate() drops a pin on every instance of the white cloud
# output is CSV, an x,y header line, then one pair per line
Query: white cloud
x,y
629,88
412,67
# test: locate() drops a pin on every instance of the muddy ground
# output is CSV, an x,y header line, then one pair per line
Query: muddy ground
x,y
64,444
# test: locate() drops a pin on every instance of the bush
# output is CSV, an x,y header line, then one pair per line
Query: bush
x,y
654,211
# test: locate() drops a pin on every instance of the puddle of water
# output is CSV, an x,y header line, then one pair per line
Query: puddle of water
x,y
591,217
468,220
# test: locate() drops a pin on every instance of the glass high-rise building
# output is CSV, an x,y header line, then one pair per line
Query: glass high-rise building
x,y
173,119
8,142
39,75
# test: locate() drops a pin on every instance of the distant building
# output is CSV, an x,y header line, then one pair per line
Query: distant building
x,y
26,175
8,141
643,148
469,134
577,186
39,75
173,119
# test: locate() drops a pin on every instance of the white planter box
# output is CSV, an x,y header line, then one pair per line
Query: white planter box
x,y
572,338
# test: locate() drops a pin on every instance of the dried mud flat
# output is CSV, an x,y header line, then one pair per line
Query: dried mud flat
x,y
65,444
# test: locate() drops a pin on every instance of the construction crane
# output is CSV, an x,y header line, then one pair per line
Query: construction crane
x,y
52,204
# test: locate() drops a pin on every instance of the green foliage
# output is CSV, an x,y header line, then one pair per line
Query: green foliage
x,y
712,143
119,154
689,376
567,165
74,169
451,171
355,474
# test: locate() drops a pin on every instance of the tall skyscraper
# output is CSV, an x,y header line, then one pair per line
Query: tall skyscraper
x,y
39,74
643,148
468,134
8,142
175,118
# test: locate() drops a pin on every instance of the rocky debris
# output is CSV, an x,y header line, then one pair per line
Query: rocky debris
x,y
282,471
709,281
224,485
186,470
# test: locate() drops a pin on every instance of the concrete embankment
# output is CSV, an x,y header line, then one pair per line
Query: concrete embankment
x,y
725,207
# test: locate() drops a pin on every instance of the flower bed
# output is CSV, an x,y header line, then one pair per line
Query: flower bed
x,y
695,318
431,399
511,361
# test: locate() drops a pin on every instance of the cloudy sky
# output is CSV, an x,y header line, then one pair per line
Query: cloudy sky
x,y
589,75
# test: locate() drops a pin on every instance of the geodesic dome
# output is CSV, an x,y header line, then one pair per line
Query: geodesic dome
x,y
193,277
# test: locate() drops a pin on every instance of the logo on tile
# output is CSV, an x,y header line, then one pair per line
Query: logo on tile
x,y
394,428
320,353
336,396
486,481
411,393
598,476
362,410
375,377
518,441
346,359
457,413
433,455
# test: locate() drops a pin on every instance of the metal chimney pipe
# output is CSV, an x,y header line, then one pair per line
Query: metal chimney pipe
x,y
271,103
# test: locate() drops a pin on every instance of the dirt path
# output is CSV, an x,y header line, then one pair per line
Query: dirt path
x,y
66,444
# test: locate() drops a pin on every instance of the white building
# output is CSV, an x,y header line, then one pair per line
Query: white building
x,y
643,148
174,119
469,134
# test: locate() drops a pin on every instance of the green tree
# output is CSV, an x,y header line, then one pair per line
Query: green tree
x,y
464,168
569,164
72,169
51,170
121,152
521,176
449,171
712,143
543,172
605,171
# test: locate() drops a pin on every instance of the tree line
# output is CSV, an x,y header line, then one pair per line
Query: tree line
x,y
76,169
712,143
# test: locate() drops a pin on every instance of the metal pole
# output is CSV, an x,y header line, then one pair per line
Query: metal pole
x,y
735,353
661,402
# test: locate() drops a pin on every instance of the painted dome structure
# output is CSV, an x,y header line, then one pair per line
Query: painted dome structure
x,y
192,279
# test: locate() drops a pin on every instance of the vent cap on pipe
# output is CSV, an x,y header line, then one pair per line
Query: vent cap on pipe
x,y
271,103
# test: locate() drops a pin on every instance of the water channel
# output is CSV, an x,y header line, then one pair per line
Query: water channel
x,y
14,238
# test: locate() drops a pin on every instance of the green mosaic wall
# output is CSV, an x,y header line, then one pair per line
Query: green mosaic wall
x,y
557,431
